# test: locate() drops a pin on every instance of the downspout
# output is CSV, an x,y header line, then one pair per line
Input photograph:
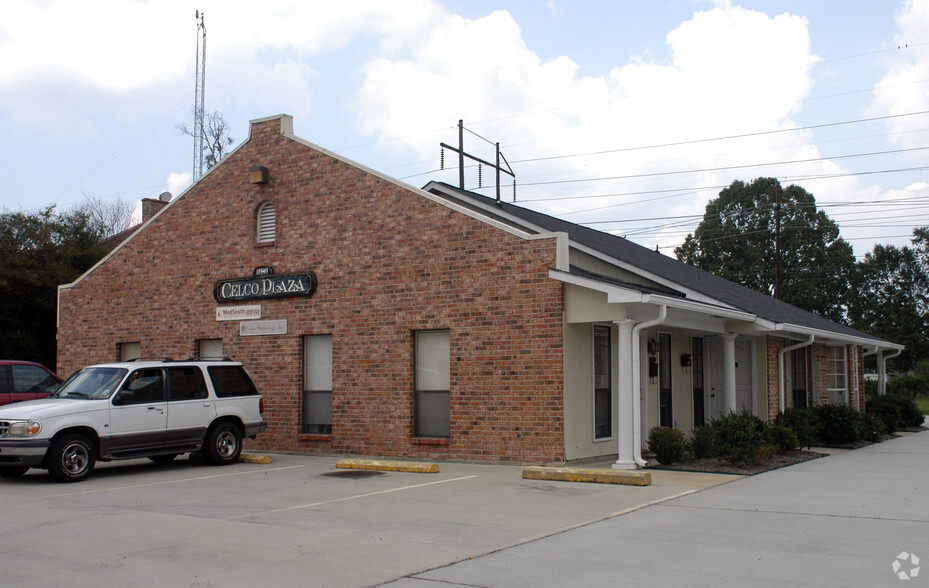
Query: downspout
x,y
781,383
882,359
637,378
857,384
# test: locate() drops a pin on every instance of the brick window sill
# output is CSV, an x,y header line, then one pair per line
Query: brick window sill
x,y
430,441
313,437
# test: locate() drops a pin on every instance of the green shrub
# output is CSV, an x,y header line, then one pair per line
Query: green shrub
x,y
738,437
804,423
887,408
702,444
910,414
838,424
669,445
909,386
871,428
896,411
922,403
783,436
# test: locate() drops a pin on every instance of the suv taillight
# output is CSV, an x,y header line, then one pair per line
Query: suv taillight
x,y
261,406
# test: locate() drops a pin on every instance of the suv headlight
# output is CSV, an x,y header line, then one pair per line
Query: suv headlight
x,y
24,429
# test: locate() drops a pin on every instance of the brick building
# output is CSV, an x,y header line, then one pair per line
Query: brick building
x,y
380,319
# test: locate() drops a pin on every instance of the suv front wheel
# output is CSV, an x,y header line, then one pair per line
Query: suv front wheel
x,y
223,444
71,458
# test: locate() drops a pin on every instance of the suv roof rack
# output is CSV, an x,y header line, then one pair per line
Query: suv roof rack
x,y
152,358
209,358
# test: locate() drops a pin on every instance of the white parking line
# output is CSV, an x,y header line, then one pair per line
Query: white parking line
x,y
356,496
175,481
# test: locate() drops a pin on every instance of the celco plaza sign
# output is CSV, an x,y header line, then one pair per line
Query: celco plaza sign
x,y
265,286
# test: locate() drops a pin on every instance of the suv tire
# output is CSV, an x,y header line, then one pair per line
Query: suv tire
x,y
71,458
223,444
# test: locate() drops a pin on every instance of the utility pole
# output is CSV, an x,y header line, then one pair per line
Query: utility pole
x,y
461,158
199,86
777,239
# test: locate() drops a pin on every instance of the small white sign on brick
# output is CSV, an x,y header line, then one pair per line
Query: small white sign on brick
x,y
238,313
257,328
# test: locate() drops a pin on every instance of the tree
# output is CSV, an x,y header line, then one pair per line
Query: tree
x,y
39,251
216,132
892,297
736,240
107,218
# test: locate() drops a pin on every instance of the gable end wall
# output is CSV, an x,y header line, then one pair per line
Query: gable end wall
x,y
388,261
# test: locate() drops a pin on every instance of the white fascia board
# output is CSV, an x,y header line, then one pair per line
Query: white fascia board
x,y
831,336
666,282
620,295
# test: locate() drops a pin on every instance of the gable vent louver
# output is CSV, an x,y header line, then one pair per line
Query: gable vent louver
x,y
267,223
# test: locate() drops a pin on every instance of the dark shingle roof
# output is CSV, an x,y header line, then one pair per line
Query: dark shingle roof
x,y
653,262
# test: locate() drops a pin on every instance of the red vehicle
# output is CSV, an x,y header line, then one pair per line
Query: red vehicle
x,y
25,380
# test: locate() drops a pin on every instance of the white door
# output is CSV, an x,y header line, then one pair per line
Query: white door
x,y
138,415
190,409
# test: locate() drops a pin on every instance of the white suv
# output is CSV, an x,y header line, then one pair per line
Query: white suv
x,y
146,408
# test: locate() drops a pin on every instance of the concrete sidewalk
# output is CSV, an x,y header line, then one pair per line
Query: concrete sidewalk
x,y
842,520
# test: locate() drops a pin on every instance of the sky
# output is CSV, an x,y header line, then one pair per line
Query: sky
x,y
625,116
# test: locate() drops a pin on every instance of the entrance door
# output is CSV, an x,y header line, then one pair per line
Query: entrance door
x,y
798,378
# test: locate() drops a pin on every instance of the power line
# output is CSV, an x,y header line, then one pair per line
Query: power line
x,y
723,138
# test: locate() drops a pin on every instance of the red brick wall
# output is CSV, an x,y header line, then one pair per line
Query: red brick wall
x,y
388,262
773,347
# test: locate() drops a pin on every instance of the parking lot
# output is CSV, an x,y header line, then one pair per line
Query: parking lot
x,y
298,521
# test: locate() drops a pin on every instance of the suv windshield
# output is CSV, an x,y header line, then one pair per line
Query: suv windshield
x,y
96,383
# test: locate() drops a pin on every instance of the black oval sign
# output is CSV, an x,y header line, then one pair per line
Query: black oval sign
x,y
270,286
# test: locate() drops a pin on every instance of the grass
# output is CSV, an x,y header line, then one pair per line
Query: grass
x,y
923,403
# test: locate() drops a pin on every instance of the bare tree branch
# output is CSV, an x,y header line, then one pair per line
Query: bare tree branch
x,y
108,218
216,132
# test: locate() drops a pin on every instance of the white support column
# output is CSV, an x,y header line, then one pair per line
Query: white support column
x,y
626,429
729,372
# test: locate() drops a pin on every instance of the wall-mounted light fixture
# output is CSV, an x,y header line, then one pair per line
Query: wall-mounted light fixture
x,y
258,174
653,347
652,369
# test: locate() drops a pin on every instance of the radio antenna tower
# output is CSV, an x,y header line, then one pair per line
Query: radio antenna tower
x,y
199,85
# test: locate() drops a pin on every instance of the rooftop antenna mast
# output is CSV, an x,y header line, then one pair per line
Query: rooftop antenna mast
x,y
462,155
199,86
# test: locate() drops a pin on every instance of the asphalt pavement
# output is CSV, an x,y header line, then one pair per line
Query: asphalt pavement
x,y
841,520
854,518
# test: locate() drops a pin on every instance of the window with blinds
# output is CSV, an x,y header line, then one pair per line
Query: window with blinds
x,y
267,223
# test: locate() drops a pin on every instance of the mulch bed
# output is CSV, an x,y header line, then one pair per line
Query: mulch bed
x,y
713,465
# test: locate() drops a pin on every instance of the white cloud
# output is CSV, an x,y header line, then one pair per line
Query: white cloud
x,y
738,71
111,43
903,89
178,182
